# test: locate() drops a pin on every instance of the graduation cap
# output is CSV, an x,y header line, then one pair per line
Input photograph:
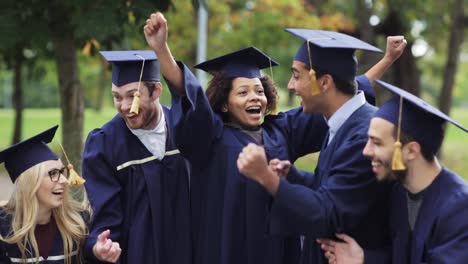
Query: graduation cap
x,y
245,62
416,118
25,154
133,66
329,51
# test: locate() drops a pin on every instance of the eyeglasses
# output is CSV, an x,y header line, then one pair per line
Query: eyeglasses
x,y
55,174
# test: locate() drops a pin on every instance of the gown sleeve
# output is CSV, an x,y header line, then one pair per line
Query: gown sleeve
x,y
194,124
336,205
104,191
304,132
450,243
3,257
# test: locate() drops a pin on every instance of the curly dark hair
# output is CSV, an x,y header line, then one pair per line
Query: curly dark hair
x,y
219,88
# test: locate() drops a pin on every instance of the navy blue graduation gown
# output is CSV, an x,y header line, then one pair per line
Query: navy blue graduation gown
x,y
342,196
10,253
440,234
143,201
230,212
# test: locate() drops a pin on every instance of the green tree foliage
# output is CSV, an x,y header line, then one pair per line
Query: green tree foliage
x,y
59,29
234,24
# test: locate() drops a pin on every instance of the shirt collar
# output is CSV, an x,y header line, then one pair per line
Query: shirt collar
x,y
344,112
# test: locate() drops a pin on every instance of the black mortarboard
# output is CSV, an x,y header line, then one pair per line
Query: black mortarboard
x,y
418,119
246,63
330,51
127,66
25,154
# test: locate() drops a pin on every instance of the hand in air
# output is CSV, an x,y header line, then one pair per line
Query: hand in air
x,y
156,31
395,47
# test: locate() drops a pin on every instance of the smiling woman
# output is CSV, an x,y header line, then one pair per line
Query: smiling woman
x,y
229,212
41,221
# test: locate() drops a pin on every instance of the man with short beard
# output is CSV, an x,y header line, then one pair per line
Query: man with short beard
x,y
342,195
136,178
429,205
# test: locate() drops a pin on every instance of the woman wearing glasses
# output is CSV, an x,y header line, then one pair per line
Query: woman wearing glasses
x,y
42,223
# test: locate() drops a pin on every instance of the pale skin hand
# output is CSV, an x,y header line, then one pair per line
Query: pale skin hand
x,y
280,167
252,163
395,47
105,249
156,30
348,252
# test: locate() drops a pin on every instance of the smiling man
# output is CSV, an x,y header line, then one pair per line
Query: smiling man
x,y
342,194
41,223
429,206
136,179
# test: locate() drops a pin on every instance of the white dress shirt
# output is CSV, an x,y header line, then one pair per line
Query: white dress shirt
x,y
155,139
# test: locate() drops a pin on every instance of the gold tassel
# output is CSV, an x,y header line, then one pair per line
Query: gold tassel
x,y
135,103
75,179
397,159
314,88
136,96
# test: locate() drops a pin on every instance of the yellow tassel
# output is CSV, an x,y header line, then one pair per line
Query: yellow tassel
x,y
313,83
136,103
314,87
397,161
75,179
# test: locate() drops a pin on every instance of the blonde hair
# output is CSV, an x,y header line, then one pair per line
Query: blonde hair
x,y
23,206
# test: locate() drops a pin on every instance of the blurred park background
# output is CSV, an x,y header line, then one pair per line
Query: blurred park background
x,y
51,71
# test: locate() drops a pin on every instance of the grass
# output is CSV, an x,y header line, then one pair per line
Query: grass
x,y
37,120
455,152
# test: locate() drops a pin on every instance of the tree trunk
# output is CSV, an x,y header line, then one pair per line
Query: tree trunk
x,y
71,93
406,73
102,84
18,94
405,70
454,45
366,33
